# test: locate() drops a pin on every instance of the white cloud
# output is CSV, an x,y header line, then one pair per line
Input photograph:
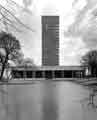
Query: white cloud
x,y
71,44
84,27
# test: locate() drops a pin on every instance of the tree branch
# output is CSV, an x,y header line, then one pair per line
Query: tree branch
x,y
11,23
17,19
3,66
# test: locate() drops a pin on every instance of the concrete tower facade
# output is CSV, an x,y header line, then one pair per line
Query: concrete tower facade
x,y
50,40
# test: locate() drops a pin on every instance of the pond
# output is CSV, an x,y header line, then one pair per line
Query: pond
x,y
45,100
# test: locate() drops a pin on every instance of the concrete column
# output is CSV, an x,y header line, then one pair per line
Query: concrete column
x,y
33,74
43,72
24,74
53,74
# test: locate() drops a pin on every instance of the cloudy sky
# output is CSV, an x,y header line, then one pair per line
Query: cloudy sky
x,y
78,27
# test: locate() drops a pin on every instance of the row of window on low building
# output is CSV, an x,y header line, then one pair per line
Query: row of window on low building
x,y
47,74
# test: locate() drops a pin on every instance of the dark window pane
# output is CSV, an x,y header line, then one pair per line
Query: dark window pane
x,y
29,74
78,74
21,74
48,74
17,74
39,74
14,73
58,74
67,74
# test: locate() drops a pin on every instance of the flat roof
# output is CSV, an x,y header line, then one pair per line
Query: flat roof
x,y
48,68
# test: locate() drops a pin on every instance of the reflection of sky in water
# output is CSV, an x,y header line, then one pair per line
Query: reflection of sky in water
x,y
47,101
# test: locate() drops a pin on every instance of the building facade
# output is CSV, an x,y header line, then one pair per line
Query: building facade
x,y
49,72
50,40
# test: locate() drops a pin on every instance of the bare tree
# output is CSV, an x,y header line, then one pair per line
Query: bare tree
x,y
90,60
8,18
26,62
11,46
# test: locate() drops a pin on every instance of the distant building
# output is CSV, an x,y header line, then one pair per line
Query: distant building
x,y
50,40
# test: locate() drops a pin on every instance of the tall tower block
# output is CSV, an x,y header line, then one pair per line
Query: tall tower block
x,y
50,40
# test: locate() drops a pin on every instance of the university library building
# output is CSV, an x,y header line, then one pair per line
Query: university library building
x,y
50,56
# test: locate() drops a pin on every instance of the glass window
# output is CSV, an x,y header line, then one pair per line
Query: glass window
x,y
29,74
68,74
58,74
39,74
48,74
17,74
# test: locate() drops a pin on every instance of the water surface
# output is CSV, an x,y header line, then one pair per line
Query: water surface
x,y
45,100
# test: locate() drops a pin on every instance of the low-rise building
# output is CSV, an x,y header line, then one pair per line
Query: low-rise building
x,y
49,72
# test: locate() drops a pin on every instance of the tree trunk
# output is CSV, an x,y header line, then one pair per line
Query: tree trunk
x,y
3,67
